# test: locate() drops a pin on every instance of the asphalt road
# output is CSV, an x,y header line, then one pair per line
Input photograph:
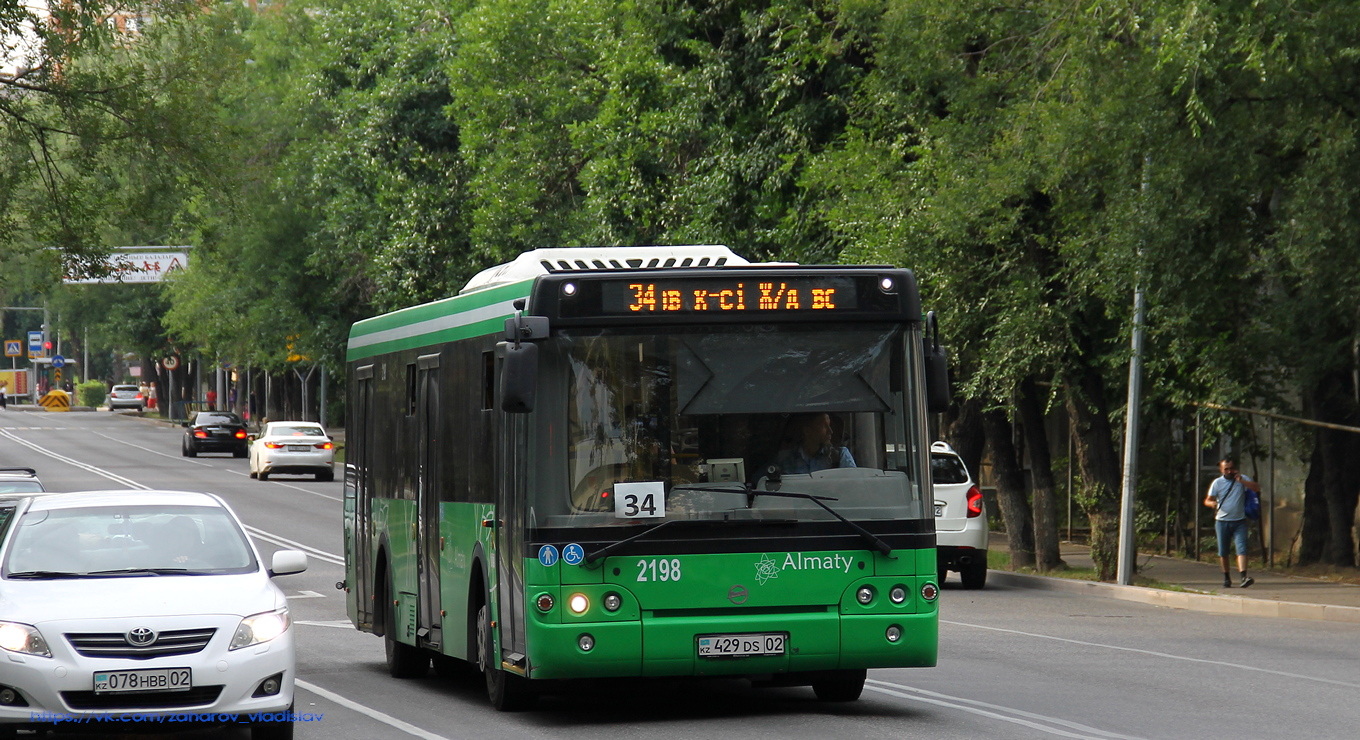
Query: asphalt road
x,y
1014,663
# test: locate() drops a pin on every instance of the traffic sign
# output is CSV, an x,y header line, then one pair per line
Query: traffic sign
x,y
58,362
13,348
171,362
35,344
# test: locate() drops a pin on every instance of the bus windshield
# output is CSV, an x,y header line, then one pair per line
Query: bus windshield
x,y
725,422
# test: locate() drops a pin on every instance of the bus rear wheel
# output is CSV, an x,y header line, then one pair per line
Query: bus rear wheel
x,y
841,686
507,692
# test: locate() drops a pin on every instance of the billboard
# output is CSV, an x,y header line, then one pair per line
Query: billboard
x,y
139,267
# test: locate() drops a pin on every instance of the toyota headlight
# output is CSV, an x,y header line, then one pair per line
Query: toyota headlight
x,y
260,628
17,637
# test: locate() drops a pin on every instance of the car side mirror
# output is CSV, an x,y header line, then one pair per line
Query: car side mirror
x,y
288,562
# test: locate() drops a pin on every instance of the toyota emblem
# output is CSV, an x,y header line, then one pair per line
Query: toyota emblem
x,y
140,636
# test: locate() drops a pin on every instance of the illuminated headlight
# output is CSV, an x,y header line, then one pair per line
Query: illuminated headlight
x,y
886,284
578,603
569,289
893,634
544,602
864,595
897,595
260,628
612,602
17,637
586,643
929,591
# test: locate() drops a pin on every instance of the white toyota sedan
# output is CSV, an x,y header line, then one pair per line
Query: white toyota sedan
x,y
292,447
139,605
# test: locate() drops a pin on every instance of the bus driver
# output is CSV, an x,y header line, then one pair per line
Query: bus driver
x,y
809,448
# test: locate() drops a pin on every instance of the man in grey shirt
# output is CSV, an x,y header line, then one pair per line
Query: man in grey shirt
x,y
1228,495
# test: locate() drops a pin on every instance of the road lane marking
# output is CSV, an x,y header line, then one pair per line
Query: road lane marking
x,y
1157,654
382,717
307,595
343,624
293,544
1039,722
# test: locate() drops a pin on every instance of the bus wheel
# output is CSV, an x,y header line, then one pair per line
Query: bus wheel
x,y
403,661
507,692
841,686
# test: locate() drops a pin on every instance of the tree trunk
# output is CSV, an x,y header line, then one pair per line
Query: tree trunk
x,y
1010,488
964,434
1097,463
1313,536
1334,402
1046,542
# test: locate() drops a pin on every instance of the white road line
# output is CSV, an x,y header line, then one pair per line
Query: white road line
x,y
382,717
1156,654
285,542
993,711
343,624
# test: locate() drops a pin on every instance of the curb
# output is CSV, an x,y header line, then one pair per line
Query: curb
x,y
1213,603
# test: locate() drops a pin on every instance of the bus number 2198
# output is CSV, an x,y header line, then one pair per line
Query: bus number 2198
x,y
658,570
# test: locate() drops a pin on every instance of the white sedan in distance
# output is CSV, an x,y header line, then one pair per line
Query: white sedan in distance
x,y
141,604
292,447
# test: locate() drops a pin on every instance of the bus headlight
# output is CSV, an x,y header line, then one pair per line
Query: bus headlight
x,y
929,591
586,643
612,602
897,595
544,602
578,603
893,634
864,595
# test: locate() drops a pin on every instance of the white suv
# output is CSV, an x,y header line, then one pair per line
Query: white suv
x,y
960,518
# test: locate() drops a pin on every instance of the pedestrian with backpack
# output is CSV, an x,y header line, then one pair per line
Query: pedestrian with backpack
x,y
1228,496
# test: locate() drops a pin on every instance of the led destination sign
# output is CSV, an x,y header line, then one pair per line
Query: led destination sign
x,y
728,295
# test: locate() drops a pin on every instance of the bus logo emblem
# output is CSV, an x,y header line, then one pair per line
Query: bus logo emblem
x,y
766,569
738,594
547,555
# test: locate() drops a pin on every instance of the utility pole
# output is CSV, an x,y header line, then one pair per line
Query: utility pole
x,y
1128,545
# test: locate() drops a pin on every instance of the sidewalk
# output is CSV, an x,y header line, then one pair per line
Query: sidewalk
x,y
1273,594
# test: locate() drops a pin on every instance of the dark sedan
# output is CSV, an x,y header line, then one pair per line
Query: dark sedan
x,y
215,431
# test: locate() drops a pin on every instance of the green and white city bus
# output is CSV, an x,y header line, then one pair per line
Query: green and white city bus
x,y
596,463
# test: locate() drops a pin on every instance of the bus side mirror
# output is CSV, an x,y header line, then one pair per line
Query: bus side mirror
x,y
937,380
937,368
519,377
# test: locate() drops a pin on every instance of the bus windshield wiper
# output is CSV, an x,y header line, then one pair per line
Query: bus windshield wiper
x,y
752,493
603,551
39,575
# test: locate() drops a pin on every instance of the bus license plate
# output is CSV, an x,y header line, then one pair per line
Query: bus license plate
x,y
153,679
739,646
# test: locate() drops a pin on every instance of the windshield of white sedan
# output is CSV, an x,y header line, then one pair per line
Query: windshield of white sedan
x,y
303,430
712,423
111,541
